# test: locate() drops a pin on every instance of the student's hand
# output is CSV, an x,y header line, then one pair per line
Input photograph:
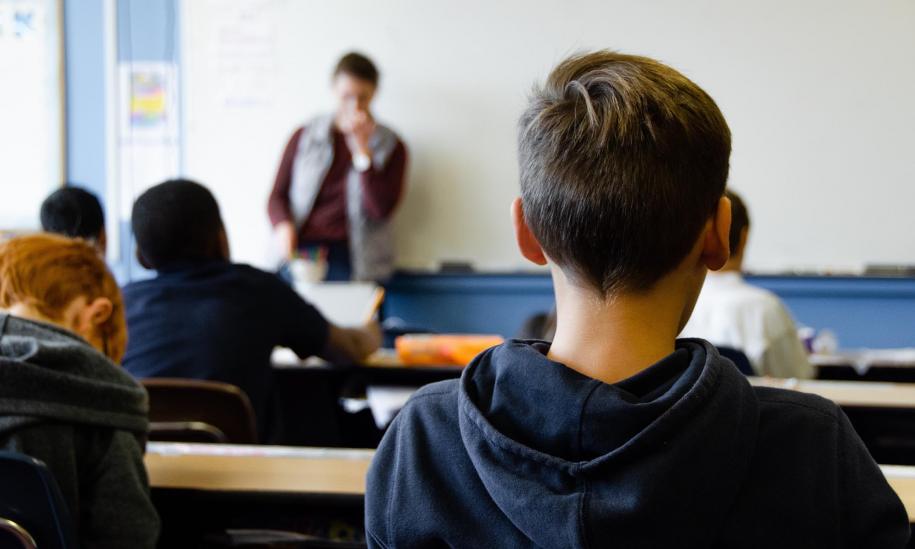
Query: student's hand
x,y
287,237
371,338
353,344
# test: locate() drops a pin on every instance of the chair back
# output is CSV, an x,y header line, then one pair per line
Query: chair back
x,y
192,410
32,511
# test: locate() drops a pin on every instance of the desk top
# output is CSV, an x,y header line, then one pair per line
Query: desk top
x,y
850,393
864,359
902,479
257,469
382,359
317,471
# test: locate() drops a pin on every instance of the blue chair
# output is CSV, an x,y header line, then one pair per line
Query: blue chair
x,y
739,359
32,510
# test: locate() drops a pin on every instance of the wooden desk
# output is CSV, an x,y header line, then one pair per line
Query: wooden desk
x,y
902,479
203,490
382,368
268,469
259,470
894,365
850,393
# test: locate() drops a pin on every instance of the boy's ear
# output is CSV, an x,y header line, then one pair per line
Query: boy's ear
x,y
97,312
717,249
142,260
527,242
224,252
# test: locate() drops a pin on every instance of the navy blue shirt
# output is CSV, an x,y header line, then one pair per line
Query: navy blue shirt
x,y
218,321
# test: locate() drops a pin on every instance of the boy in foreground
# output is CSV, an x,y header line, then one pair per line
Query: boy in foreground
x,y
618,434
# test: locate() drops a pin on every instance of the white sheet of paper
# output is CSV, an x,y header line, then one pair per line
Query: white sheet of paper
x,y
342,303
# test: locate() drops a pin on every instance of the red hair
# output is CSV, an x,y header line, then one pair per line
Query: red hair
x,y
48,272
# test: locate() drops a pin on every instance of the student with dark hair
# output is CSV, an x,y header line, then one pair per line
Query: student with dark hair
x,y
339,181
618,434
77,213
204,317
732,313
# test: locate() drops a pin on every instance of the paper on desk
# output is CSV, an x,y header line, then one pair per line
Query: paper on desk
x,y
862,359
386,401
342,303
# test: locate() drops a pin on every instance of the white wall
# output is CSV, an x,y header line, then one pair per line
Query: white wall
x,y
819,95
31,100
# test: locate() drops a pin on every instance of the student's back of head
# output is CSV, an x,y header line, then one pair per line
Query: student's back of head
x,y
74,212
64,281
622,160
178,222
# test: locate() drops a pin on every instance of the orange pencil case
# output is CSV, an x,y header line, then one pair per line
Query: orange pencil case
x,y
443,350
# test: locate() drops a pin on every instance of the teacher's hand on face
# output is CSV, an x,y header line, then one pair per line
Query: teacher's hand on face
x,y
358,128
288,239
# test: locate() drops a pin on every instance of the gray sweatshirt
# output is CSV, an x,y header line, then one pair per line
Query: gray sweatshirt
x,y
66,404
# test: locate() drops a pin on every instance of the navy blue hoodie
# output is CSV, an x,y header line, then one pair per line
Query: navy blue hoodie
x,y
525,452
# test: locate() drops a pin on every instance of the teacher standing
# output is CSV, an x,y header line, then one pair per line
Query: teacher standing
x,y
339,181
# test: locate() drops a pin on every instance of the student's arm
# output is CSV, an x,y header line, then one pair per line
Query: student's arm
x,y
351,345
872,514
116,508
784,354
382,186
304,330
786,357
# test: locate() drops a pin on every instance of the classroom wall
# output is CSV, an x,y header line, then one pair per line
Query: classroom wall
x,y
818,95
101,37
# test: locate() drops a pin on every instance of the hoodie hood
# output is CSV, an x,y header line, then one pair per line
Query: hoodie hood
x,y
605,459
50,374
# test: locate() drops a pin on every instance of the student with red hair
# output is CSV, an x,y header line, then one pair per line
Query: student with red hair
x,y
63,398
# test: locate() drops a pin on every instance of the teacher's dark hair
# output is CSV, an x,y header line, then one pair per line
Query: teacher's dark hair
x,y
175,222
357,65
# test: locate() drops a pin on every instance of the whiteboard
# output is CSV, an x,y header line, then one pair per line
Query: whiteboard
x,y
819,96
31,97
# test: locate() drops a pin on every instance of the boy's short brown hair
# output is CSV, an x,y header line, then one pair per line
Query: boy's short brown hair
x,y
622,161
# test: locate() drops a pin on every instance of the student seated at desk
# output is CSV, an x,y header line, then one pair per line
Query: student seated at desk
x,y
77,213
617,434
204,317
735,314
63,400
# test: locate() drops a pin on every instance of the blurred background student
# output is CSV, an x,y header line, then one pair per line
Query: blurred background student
x,y
732,313
77,213
204,317
339,181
